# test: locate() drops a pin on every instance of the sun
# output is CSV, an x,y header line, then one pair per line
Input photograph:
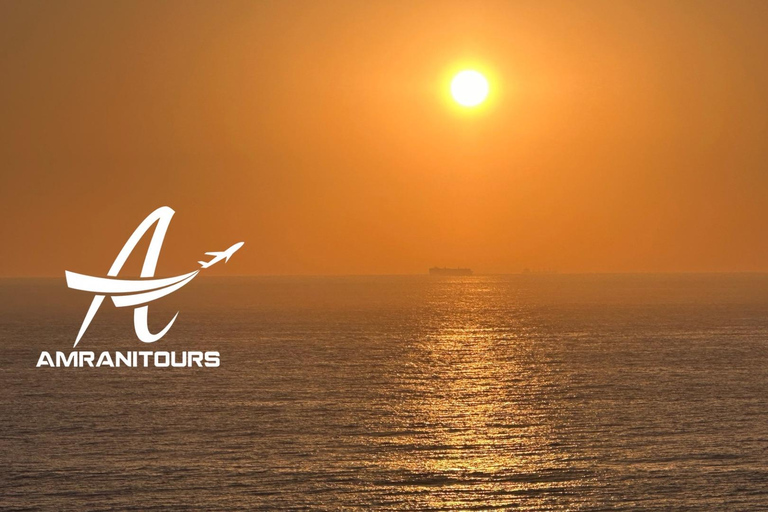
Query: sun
x,y
469,88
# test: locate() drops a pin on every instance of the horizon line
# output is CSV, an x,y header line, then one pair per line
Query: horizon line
x,y
475,274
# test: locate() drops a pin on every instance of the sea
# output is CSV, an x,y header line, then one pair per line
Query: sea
x,y
528,392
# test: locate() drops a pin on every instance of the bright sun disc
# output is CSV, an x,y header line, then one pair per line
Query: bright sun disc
x,y
469,88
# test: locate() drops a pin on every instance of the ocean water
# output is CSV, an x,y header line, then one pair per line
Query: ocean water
x,y
539,392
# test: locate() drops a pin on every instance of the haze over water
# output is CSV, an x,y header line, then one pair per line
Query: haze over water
x,y
542,392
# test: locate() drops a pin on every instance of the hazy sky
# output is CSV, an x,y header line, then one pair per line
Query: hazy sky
x,y
619,136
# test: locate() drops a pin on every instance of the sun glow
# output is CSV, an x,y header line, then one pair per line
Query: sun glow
x,y
469,88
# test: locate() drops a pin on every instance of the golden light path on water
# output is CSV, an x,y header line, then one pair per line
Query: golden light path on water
x,y
488,434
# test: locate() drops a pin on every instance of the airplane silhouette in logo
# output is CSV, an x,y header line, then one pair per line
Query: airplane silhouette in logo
x,y
221,255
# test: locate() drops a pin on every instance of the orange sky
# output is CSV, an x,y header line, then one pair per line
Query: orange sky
x,y
620,136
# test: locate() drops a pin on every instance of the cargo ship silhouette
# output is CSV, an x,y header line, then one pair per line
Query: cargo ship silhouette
x,y
439,271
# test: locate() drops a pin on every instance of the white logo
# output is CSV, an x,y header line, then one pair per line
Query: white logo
x,y
139,292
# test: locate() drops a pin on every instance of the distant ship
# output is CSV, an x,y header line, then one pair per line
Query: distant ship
x,y
438,271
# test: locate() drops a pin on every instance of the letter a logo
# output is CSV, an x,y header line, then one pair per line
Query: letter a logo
x,y
139,292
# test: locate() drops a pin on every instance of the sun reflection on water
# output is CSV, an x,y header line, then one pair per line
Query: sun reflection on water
x,y
475,425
